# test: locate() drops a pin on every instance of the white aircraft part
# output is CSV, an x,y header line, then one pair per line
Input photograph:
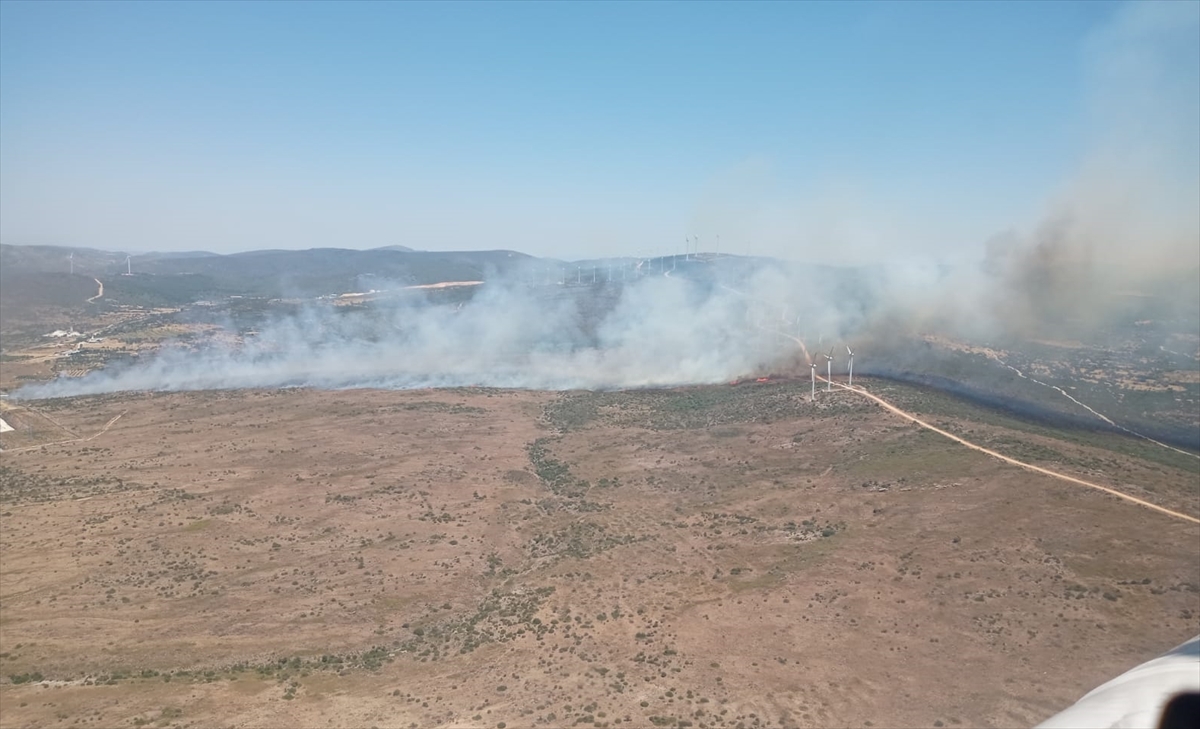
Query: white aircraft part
x,y
5,427
1136,698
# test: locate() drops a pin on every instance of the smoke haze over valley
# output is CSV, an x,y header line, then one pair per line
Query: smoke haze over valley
x,y
519,365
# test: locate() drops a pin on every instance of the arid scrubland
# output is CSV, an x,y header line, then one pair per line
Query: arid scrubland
x,y
706,557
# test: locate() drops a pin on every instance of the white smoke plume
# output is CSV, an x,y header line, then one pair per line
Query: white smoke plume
x,y
656,331
1125,224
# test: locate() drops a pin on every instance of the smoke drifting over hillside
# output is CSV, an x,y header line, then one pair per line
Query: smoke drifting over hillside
x,y
707,321
661,330
1125,228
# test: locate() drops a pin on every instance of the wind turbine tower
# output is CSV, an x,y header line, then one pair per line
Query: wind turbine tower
x,y
71,262
828,370
850,379
128,266
813,367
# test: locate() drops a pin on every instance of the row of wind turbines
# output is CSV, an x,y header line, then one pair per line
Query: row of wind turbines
x,y
829,371
620,271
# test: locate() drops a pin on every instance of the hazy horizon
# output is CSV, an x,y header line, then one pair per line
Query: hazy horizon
x,y
845,134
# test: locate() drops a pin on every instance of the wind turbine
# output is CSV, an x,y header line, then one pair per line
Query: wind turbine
x,y
850,380
71,260
813,367
828,369
128,266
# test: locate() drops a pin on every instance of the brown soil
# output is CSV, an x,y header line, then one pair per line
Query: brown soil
x,y
232,558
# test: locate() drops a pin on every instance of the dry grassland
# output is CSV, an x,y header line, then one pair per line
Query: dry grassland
x,y
712,557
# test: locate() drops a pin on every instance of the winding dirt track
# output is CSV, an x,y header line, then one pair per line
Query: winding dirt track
x,y
101,292
1028,466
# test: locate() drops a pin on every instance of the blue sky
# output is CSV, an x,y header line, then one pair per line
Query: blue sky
x,y
836,132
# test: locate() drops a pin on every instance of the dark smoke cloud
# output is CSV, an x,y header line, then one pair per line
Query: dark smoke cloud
x,y
1128,223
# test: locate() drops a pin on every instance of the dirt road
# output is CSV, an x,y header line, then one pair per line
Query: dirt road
x,y
100,293
1028,466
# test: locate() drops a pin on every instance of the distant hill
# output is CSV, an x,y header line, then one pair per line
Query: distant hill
x,y
334,270
181,277
55,259
44,288
174,254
